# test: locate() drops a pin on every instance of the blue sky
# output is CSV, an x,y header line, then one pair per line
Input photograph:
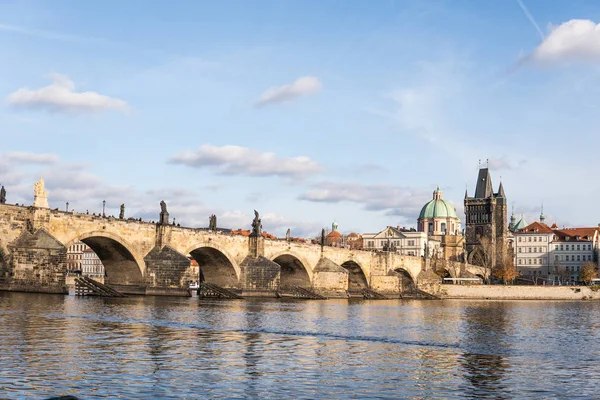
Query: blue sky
x,y
307,111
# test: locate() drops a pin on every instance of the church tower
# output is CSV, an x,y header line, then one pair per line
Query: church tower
x,y
486,217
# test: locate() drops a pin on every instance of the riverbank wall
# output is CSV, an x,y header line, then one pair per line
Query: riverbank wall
x,y
514,292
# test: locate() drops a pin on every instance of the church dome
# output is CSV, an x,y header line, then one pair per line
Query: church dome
x,y
438,208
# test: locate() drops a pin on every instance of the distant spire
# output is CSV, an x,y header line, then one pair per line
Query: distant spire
x,y
542,217
513,219
466,191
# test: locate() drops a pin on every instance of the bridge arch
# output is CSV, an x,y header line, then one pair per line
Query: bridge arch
x,y
122,265
357,279
294,270
407,280
216,264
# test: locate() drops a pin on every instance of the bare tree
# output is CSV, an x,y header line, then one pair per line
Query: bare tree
x,y
561,272
588,272
483,256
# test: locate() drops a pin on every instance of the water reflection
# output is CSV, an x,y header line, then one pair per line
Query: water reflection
x,y
189,348
485,341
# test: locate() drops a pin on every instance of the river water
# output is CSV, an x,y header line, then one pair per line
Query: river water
x,y
156,347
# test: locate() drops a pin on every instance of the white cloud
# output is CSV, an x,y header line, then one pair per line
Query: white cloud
x,y
20,157
237,160
402,201
279,94
61,96
574,40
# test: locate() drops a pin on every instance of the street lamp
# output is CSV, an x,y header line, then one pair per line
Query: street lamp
x,y
67,206
103,207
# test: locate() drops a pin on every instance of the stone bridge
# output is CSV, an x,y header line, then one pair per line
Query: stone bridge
x,y
148,258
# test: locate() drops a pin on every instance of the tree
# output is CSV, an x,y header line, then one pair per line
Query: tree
x,y
483,255
505,269
588,272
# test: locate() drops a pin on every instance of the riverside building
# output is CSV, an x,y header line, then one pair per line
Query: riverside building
x,y
553,254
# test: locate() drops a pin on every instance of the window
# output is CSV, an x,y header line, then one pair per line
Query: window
x,y
519,238
529,261
520,261
529,249
572,247
556,258
578,258
589,257
519,249
411,242
529,239
535,238
578,247
443,227
541,249
561,247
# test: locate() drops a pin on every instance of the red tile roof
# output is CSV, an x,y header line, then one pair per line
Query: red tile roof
x,y
536,227
571,234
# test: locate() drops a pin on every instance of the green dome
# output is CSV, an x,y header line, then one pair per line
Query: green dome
x,y
437,208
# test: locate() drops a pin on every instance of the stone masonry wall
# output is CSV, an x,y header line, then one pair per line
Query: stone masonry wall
x,y
166,268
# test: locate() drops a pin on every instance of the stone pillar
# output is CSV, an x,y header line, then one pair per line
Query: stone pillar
x,y
256,246
259,276
38,263
166,271
164,218
163,235
330,279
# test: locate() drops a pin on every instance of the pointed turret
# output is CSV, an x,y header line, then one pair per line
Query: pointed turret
x,y
501,191
466,193
484,186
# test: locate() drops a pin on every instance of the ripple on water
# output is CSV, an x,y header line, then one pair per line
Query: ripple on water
x,y
185,348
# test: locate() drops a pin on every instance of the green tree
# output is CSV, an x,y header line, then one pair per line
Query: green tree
x,y
588,272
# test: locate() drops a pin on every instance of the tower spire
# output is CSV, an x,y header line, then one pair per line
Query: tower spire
x,y
542,216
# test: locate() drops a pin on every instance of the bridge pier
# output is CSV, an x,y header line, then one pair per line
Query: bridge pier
x,y
330,279
37,263
259,276
166,272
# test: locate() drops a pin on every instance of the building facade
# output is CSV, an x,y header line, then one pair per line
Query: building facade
x,y
403,241
75,256
82,259
552,254
485,217
92,266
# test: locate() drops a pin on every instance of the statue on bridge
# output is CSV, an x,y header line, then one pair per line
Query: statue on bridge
x,y
256,225
2,195
212,223
40,196
122,212
288,235
164,214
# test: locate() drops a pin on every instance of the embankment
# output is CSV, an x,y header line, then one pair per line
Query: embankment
x,y
511,292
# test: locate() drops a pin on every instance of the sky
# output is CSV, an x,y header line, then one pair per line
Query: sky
x,y
307,111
